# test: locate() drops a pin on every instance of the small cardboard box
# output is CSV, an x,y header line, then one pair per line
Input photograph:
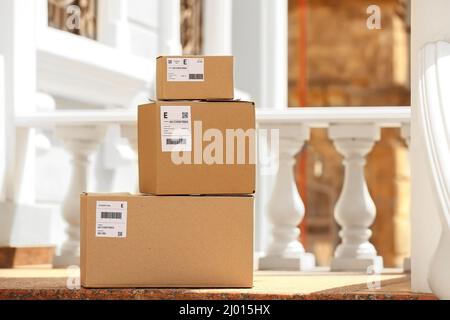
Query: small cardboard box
x,y
197,147
166,241
194,78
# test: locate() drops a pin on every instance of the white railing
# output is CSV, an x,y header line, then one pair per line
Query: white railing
x,y
82,133
353,130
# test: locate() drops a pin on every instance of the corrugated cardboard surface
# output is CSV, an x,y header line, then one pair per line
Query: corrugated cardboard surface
x,y
159,175
172,241
218,82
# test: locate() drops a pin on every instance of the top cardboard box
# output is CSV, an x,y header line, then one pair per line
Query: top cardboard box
x,y
194,78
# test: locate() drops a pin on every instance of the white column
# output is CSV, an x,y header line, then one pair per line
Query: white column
x,y
355,210
22,222
263,72
41,23
18,46
430,22
405,132
274,51
286,209
80,142
217,27
169,42
112,24
3,131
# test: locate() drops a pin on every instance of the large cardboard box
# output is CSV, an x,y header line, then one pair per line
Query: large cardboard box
x,y
166,241
194,77
197,147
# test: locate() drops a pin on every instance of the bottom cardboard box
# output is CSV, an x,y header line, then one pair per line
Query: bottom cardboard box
x,y
166,241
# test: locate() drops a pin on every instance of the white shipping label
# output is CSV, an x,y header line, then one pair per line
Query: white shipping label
x,y
185,69
176,129
111,219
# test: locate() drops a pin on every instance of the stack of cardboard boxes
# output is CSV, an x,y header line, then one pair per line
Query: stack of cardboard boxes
x,y
192,224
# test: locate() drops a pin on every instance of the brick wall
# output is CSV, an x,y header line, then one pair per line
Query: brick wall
x,y
346,64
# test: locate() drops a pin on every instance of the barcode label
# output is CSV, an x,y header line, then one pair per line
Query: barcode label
x,y
111,215
176,132
176,141
185,69
196,76
111,219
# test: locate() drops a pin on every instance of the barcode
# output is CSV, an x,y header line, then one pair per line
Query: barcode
x,y
176,141
185,115
195,76
111,215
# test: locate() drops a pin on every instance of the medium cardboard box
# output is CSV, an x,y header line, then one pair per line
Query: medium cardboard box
x,y
194,77
166,241
197,147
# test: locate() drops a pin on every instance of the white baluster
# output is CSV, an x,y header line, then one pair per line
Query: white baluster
x,y
80,142
286,209
130,133
406,135
355,210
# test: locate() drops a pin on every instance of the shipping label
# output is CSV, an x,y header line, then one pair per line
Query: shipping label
x,y
176,129
111,219
185,69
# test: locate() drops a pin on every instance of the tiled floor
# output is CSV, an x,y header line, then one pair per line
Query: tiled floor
x,y
52,284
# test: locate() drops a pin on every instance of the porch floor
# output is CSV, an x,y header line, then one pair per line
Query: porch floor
x,y
44,283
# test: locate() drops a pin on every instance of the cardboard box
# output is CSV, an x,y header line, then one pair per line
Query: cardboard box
x,y
197,147
166,241
194,78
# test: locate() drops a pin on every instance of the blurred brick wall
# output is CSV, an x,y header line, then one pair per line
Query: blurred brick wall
x,y
350,65
191,26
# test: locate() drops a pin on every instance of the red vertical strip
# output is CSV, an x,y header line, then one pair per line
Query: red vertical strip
x,y
302,87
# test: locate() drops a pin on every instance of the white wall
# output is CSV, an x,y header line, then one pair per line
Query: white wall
x,y
143,21
430,22
217,27
129,25
246,44
3,124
